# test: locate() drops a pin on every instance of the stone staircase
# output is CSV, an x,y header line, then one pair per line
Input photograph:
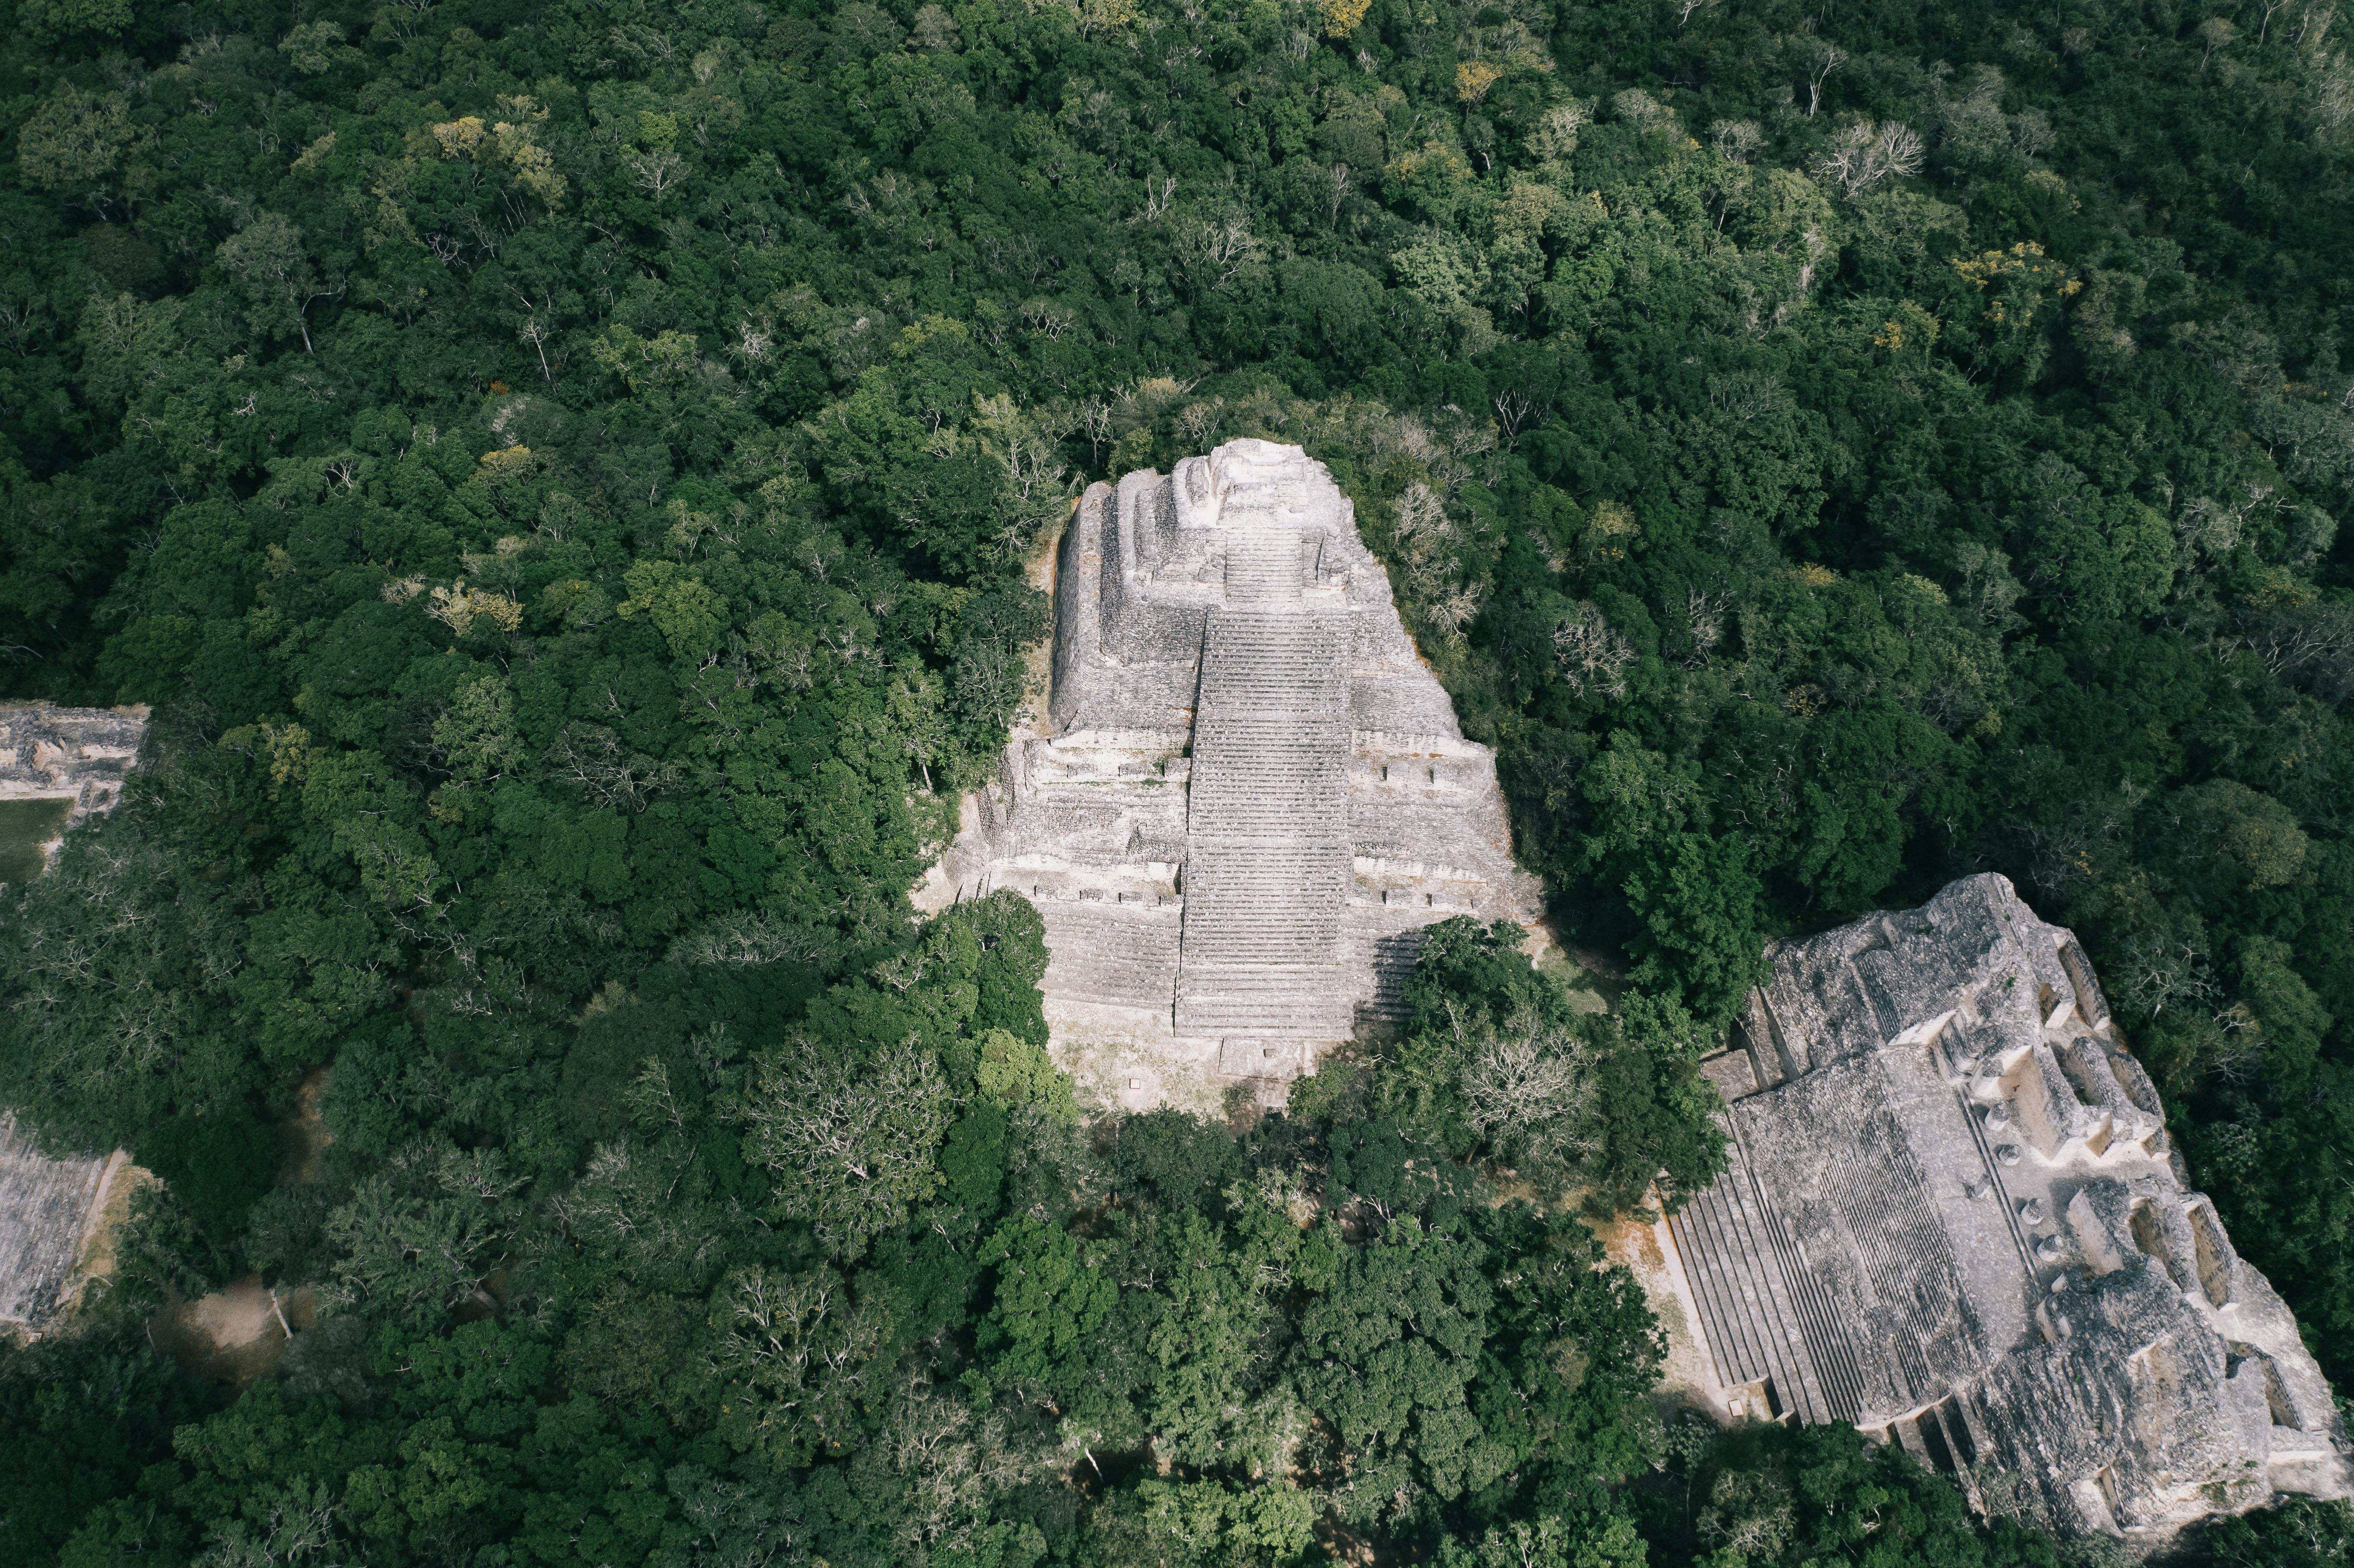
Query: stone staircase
x,y
1764,1320
1267,866
1883,1194
1109,952
1393,961
1263,567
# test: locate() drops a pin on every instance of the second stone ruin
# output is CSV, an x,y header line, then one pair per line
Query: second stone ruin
x,y
1952,1217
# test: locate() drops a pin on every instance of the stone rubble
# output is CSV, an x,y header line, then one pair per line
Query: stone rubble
x,y
1953,1217
1247,795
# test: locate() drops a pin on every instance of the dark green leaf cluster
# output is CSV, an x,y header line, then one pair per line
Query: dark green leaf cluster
x,y
1499,1063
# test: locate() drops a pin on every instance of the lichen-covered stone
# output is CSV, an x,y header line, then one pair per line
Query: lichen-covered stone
x,y
1247,796
1953,1217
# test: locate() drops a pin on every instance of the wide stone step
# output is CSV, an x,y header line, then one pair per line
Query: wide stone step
x,y
1290,1000
1263,565
1235,857
1279,807
1097,955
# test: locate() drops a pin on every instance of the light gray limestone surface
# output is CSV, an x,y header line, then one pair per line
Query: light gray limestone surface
x,y
46,1209
1953,1218
1248,794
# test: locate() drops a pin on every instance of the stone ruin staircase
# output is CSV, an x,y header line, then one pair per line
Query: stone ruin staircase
x,y
1268,859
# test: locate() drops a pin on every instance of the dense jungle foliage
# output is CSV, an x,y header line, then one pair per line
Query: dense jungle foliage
x,y
561,472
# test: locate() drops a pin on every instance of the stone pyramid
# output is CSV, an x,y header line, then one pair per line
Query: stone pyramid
x,y
1247,795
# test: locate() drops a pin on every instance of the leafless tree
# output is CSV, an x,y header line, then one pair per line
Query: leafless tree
x,y
1524,1077
1641,109
534,333
2310,644
1453,609
1038,479
2030,132
656,171
936,30
271,267
2215,32
1705,610
1737,141
20,315
850,1145
951,1462
1427,538
2158,970
1094,418
1219,248
280,1525
592,759
1829,61
1748,1513
644,44
1592,657
403,19
1864,154
748,936
1528,1090
1513,405
1048,319
2062,855
773,1323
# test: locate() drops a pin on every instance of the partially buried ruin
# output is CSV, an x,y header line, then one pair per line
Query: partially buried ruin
x,y
1247,795
1953,1217
77,758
